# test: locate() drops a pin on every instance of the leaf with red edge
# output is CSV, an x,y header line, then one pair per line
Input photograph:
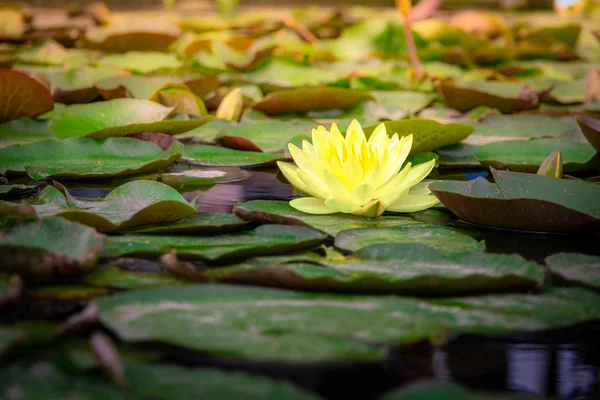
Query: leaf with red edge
x,y
590,127
22,96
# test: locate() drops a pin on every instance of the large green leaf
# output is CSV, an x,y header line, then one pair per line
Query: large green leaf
x,y
280,212
577,268
269,324
48,248
118,117
87,158
214,156
439,390
400,268
270,137
310,98
427,134
443,239
179,383
264,240
527,202
527,156
22,131
112,276
197,224
131,204
141,62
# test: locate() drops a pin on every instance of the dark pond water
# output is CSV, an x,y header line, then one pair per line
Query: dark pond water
x,y
563,364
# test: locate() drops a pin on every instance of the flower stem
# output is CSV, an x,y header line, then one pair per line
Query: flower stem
x,y
404,7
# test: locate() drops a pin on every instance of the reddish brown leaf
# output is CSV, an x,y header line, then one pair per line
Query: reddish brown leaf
x,y
465,99
590,127
238,143
22,95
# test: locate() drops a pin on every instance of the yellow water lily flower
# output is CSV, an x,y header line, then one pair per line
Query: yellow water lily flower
x,y
356,175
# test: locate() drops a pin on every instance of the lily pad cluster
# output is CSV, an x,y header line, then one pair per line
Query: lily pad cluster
x,y
113,129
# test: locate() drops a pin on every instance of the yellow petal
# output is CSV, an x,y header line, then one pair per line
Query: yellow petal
x,y
363,194
337,188
421,188
340,205
291,174
414,176
355,136
311,205
379,135
353,172
370,210
305,160
413,203
314,185
388,192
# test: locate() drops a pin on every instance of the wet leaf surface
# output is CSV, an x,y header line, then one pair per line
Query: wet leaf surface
x,y
403,268
445,240
215,156
87,158
273,324
264,240
131,204
196,224
48,248
576,268
528,202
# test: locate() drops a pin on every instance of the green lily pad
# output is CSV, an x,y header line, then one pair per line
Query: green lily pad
x,y
503,98
411,102
76,85
17,190
269,137
141,62
118,117
400,268
197,224
264,240
274,324
577,268
145,87
179,383
285,72
138,36
521,126
22,131
280,212
131,204
207,132
87,158
215,156
438,390
528,202
111,276
48,248
427,134
443,239
22,95
311,98
459,155
527,156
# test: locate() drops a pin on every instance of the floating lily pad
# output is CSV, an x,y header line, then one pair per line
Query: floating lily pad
x,y
192,179
427,134
521,126
206,133
439,390
264,240
141,62
272,324
443,239
48,248
215,156
127,37
411,102
401,268
118,117
577,268
179,383
528,202
460,155
466,98
22,131
280,212
17,190
87,157
197,224
131,204
111,276
307,99
22,96
527,156
270,137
